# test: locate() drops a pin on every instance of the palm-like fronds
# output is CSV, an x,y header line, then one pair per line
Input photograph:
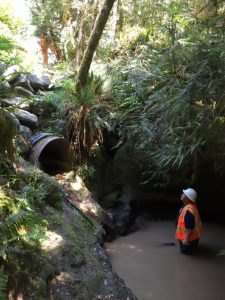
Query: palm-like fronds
x,y
87,118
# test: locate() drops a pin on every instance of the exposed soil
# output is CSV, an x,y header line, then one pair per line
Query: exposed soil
x,y
82,269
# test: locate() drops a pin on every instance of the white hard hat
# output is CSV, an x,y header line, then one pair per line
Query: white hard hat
x,y
191,194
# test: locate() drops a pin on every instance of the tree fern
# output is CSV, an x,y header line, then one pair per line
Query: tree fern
x,y
87,117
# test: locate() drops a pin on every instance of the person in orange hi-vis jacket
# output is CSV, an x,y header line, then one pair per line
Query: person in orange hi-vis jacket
x,y
189,225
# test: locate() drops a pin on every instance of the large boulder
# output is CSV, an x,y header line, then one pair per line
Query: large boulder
x,y
29,82
4,88
11,101
15,101
23,91
46,82
23,81
11,72
26,118
39,83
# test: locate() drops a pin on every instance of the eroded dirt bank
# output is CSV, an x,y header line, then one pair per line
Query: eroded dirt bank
x,y
157,271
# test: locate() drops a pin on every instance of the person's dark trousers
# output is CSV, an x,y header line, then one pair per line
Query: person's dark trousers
x,y
190,248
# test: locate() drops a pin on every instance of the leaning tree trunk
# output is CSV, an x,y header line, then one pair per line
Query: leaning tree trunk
x,y
120,16
81,34
93,43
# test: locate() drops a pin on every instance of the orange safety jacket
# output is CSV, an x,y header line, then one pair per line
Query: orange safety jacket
x,y
181,229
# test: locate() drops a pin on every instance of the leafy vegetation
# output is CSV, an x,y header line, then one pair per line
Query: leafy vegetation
x,y
9,27
65,23
170,96
22,229
165,64
166,68
87,117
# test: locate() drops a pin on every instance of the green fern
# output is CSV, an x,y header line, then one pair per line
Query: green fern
x,y
20,226
19,223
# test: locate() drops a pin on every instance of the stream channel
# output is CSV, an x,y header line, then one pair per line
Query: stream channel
x,y
153,268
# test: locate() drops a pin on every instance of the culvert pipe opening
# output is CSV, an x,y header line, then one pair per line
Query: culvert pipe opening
x,y
53,155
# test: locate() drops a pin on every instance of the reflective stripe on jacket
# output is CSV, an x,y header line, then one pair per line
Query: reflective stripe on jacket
x,y
181,229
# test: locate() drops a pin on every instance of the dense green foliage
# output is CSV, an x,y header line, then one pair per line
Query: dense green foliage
x,y
48,17
170,97
22,229
87,117
166,71
166,66
65,23
9,27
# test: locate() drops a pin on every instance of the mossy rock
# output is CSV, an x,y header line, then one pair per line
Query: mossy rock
x,y
8,132
111,200
41,187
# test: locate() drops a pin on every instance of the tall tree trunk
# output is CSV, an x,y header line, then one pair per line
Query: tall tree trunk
x,y
114,24
134,12
96,8
93,43
81,34
121,16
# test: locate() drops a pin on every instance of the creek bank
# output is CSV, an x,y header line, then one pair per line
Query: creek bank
x,y
82,268
71,262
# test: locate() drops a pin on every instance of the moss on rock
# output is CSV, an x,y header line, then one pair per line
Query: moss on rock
x,y
8,132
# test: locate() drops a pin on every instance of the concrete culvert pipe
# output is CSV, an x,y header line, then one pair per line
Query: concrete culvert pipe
x,y
52,154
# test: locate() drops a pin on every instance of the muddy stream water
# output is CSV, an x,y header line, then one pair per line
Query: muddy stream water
x,y
153,267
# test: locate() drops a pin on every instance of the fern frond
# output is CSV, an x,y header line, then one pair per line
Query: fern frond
x,y
23,224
